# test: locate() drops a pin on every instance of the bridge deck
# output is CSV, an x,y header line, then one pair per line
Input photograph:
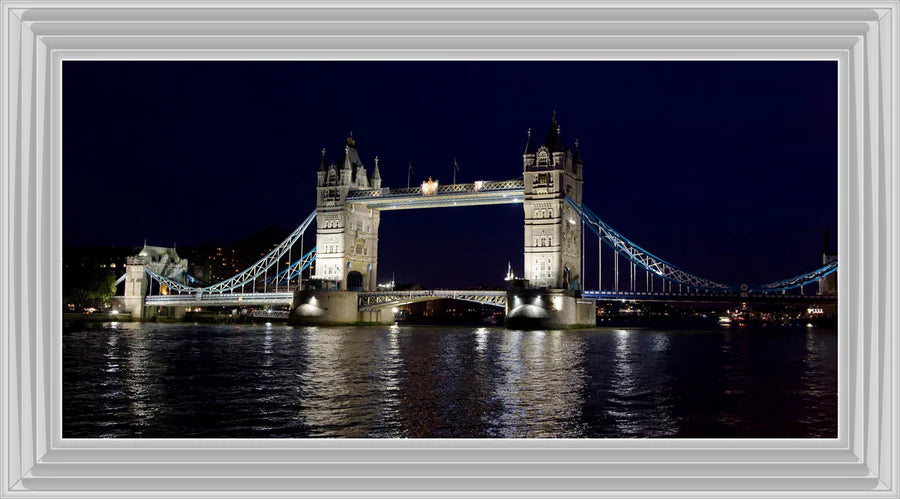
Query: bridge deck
x,y
220,299
380,299
474,194
672,297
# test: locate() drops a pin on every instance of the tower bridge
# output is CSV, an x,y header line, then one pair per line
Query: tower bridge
x,y
349,202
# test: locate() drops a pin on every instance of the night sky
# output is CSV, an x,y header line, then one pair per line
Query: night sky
x,y
726,169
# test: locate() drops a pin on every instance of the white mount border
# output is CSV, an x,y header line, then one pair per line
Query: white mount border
x,y
36,36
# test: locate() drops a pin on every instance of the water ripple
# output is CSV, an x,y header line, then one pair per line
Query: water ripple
x,y
181,380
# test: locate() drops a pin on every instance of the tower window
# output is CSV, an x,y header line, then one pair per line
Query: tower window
x,y
543,158
544,179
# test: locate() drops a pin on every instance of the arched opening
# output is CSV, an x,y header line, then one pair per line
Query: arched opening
x,y
354,281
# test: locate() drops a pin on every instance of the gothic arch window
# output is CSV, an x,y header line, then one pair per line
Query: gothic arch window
x,y
543,157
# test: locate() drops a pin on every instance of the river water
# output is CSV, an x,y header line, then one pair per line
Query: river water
x,y
225,381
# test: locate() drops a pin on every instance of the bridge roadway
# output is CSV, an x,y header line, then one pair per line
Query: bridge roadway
x,y
367,301
383,299
701,297
220,299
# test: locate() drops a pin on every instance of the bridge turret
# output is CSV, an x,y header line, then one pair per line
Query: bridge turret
x,y
347,165
576,160
376,176
323,170
528,156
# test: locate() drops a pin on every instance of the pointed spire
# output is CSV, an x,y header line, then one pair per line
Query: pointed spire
x,y
350,141
529,144
576,156
376,173
322,162
554,139
347,163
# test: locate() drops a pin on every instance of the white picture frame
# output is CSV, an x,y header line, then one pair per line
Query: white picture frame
x,y
37,36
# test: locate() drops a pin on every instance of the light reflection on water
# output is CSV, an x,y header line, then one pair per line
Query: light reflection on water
x,y
181,380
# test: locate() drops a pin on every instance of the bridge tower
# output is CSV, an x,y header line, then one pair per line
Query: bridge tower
x,y
163,261
552,228
346,233
549,296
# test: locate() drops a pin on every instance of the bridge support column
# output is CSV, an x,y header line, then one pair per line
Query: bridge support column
x,y
379,315
313,307
175,312
548,309
136,282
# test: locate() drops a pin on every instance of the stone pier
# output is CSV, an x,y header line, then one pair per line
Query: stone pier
x,y
528,308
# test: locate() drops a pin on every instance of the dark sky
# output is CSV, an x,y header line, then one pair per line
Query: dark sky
x,y
726,169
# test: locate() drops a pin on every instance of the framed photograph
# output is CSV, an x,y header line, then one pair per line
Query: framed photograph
x,y
68,68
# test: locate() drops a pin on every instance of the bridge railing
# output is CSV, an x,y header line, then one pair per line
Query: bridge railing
x,y
377,299
212,299
449,293
485,186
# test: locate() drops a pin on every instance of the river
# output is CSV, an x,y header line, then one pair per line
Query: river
x,y
148,380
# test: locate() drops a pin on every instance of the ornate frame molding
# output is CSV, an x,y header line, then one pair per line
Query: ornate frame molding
x,y
36,37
